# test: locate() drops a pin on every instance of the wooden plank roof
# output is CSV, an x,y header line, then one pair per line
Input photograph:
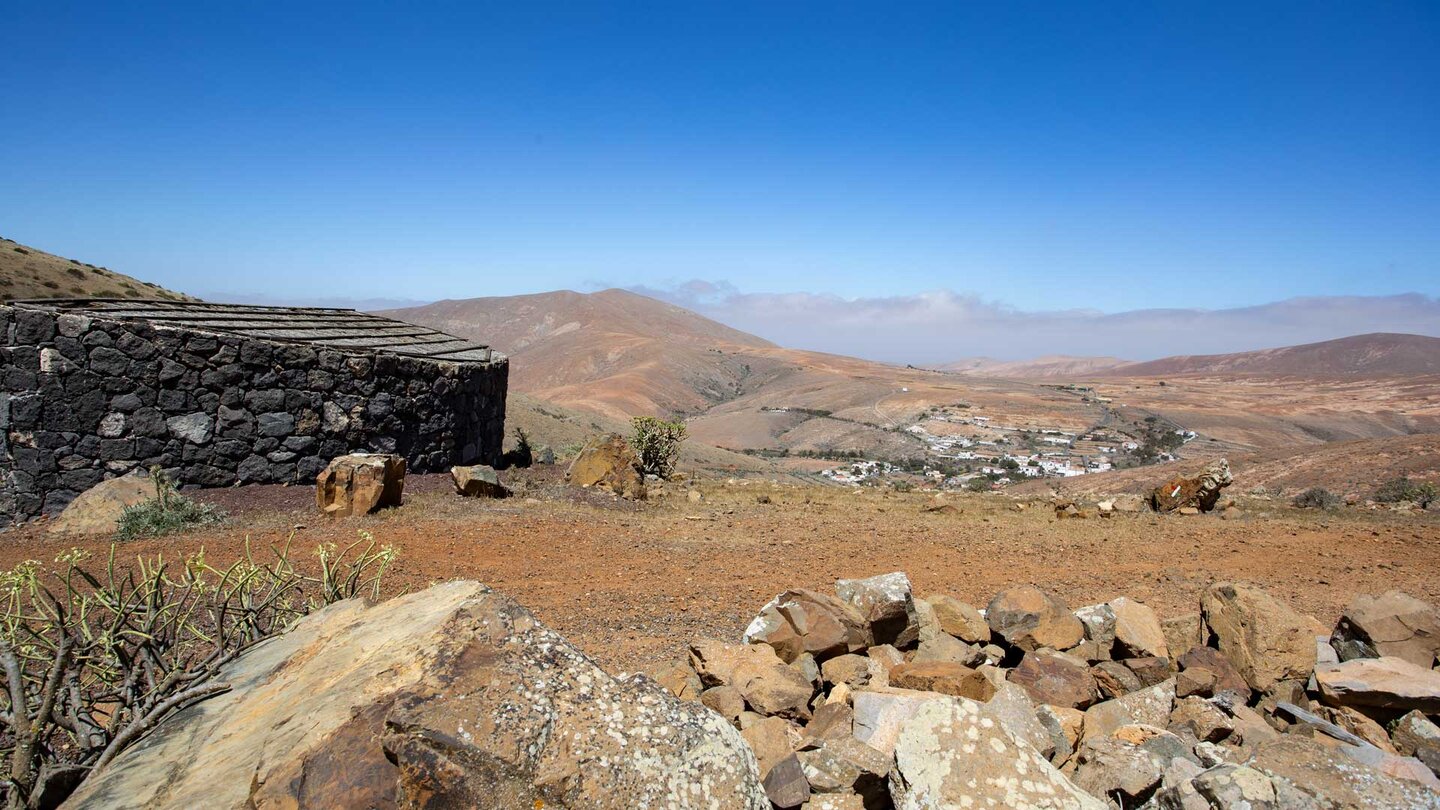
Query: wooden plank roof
x,y
340,329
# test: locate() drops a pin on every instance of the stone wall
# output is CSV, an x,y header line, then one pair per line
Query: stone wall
x,y
84,398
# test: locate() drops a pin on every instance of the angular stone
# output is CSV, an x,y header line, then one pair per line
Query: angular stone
x,y
948,648
1413,732
1099,622
196,428
881,713
1150,671
1392,624
845,765
608,462
1149,707
949,756
1114,679
1309,774
800,621
478,481
772,739
959,619
726,701
945,677
97,509
768,685
1030,618
678,679
1137,630
1066,727
1198,493
1116,769
1201,718
1263,637
830,721
1012,708
849,669
360,483
413,702
1055,678
785,784
887,603
1219,672
1390,683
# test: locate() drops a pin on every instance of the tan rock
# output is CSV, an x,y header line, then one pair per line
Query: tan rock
x,y
850,669
1149,707
948,755
413,702
1263,637
831,721
1182,633
1137,630
1311,771
1358,724
959,619
1390,683
1114,679
845,765
1414,731
1203,719
1056,679
1108,766
1068,723
360,483
1012,708
1030,618
768,685
1207,672
725,701
608,462
1393,624
97,509
478,481
772,739
947,678
948,648
678,679
800,621
881,713
887,603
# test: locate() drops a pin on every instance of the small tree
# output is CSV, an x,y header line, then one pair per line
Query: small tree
x,y
167,512
657,443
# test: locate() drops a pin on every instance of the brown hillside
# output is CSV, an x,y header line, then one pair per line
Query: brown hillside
x,y
1378,354
29,273
1352,467
1050,366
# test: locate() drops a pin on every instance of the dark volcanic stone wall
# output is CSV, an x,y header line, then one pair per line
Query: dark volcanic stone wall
x,y
83,399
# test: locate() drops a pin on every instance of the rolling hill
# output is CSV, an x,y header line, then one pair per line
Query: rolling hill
x,y
1055,366
1376,354
26,272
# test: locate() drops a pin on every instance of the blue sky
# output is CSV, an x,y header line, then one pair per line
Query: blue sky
x,y
1107,156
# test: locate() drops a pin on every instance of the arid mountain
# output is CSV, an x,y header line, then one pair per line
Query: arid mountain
x,y
29,273
611,352
1378,354
1055,366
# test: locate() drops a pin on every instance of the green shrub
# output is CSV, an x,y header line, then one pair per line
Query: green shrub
x,y
1317,498
166,513
1403,490
657,443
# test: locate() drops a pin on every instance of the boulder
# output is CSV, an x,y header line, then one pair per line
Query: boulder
x,y
1207,672
1182,633
1197,492
951,754
678,679
767,683
360,483
1055,678
1137,630
785,784
96,510
1150,707
1030,618
1115,679
959,619
608,462
772,739
1066,727
1202,719
887,603
1117,769
725,701
945,677
846,765
478,481
1263,637
1012,708
1388,683
1307,773
452,696
801,621
1392,624
830,721
849,669
948,648
1413,732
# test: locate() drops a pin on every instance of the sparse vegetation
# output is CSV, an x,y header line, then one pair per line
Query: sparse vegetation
x,y
166,513
1317,498
1403,490
657,443
523,455
98,655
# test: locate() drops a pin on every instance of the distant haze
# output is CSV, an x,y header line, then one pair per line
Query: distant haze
x,y
943,327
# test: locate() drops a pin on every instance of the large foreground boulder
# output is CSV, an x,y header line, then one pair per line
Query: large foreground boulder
x,y
360,483
451,697
1194,491
608,462
1264,638
97,509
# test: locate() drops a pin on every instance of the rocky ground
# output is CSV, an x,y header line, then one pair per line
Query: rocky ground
x,y
633,583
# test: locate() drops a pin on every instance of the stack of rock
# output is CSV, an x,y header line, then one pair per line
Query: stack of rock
x,y
873,698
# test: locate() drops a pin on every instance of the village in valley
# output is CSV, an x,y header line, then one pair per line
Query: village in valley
x,y
965,449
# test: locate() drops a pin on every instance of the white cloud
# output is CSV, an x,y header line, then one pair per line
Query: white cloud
x,y
942,326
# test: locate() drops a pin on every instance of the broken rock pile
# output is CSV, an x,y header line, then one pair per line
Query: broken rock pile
x,y
870,697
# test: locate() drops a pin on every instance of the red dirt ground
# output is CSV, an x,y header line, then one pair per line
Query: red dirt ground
x,y
633,583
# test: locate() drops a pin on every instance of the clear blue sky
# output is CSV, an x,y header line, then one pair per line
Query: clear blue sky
x,y
1106,155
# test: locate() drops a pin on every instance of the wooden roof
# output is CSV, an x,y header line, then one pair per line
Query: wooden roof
x,y
340,329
